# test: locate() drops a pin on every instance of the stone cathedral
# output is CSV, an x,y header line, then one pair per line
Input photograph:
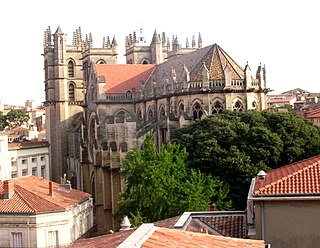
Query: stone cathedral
x,y
98,109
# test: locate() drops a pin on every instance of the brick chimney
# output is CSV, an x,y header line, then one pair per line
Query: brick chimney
x,y
8,189
50,188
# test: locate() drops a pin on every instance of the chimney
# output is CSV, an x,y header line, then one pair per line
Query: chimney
x,y
8,189
64,183
50,188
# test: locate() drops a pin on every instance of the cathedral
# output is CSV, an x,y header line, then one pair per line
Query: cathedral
x,y
98,109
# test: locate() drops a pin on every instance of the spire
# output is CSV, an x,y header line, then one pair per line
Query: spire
x,y
114,42
47,37
163,39
134,37
193,43
168,45
90,40
187,43
199,41
155,38
58,31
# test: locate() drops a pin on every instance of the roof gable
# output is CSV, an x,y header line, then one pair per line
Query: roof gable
x,y
299,178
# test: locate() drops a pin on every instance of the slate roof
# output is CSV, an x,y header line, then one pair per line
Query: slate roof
x,y
120,78
214,57
299,178
31,195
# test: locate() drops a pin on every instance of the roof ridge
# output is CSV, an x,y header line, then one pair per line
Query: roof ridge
x,y
228,57
22,198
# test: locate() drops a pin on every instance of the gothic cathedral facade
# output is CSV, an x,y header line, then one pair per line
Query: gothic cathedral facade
x,y
98,109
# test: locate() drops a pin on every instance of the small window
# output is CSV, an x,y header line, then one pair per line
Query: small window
x,y
14,174
24,172
70,69
53,239
33,160
71,92
34,171
42,158
16,239
24,161
43,173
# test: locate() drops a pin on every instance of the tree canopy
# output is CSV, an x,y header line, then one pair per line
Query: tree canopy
x,y
14,118
3,122
234,146
159,184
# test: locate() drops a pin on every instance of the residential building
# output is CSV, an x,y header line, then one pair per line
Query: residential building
x,y
35,212
29,158
163,87
284,205
5,165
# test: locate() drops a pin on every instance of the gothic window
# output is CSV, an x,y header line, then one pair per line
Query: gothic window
x,y
254,105
71,92
145,62
197,111
217,108
70,69
238,106
150,114
181,108
162,112
139,115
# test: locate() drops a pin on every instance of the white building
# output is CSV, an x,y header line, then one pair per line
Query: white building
x,y
35,212
5,165
29,158
23,158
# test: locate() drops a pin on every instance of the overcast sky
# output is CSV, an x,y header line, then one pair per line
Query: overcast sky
x,y
283,35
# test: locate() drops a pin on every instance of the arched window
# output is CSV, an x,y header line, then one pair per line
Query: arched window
x,y
197,111
217,108
162,112
150,114
139,115
181,108
254,105
238,106
145,62
70,69
71,92
101,62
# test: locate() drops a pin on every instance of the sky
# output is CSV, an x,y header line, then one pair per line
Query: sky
x,y
282,35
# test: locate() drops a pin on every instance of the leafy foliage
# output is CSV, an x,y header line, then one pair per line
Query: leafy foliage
x,y
16,118
159,185
234,146
3,122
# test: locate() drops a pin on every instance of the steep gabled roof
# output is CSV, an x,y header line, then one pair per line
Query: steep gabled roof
x,y
31,195
216,60
300,178
120,78
214,57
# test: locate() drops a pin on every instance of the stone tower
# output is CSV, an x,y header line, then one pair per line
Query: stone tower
x,y
65,68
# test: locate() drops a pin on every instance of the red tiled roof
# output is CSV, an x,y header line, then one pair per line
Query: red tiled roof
x,y
302,177
108,240
171,238
31,195
120,78
227,225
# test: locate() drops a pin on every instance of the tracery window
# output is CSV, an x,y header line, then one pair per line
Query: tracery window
x,y
162,112
238,106
197,111
217,107
70,69
181,108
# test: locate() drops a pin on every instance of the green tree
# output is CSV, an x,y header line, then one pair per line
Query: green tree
x,y
3,122
159,184
234,146
16,118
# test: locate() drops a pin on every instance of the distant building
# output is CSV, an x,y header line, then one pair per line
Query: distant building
x,y
35,212
284,205
5,165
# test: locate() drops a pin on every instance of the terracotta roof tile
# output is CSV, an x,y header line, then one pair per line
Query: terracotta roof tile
x,y
170,238
300,178
227,225
120,78
31,195
108,240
